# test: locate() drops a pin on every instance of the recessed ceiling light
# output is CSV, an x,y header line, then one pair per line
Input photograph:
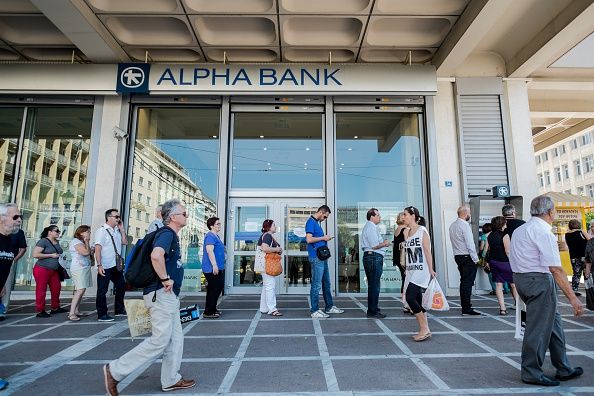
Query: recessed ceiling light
x,y
341,164
269,168
305,164
350,149
268,163
356,137
261,136
305,168
80,136
307,149
340,168
214,136
265,148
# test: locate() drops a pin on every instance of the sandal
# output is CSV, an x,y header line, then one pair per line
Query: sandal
x,y
424,337
275,313
73,318
81,314
502,312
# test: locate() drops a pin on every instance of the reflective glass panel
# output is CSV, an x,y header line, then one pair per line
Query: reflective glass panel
x,y
247,228
53,177
277,150
298,270
11,120
378,164
176,155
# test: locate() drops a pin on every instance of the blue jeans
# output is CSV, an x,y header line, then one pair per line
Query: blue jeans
x,y
320,279
374,267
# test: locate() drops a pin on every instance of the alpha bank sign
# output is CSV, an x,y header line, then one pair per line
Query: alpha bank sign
x,y
234,79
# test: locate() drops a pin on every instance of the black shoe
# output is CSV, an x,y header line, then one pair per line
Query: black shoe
x,y
544,381
378,315
577,371
43,314
57,311
577,293
123,313
106,318
472,312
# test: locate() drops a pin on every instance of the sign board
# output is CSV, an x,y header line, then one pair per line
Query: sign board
x,y
501,192
569,214
133,77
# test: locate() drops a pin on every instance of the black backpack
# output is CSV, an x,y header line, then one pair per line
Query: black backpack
x,y
139,271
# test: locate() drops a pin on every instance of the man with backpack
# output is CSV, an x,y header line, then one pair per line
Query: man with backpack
x,y
161,297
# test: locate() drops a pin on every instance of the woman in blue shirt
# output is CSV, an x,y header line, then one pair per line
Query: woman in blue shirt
x,y
213,267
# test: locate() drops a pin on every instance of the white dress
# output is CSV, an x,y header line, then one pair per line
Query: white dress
x,y
80,267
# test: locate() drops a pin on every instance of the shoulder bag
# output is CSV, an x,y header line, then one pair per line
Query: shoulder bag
x,y
273,262
260,260
119,258
62,271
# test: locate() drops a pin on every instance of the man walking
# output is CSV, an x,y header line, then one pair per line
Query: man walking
x,y
535,261
465,256
374,249
320,276
157,222
162,299
20,242
108,249
509,212
10,223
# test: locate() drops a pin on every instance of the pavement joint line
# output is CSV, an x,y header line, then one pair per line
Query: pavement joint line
x,y
426,370
329,373
134,375
233,370
57,360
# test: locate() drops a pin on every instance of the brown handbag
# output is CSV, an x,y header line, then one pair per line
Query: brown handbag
x,y
273,262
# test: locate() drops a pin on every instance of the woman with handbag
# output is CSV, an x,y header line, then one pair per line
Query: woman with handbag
x,y
80,268
268,249
47,251
213,267
576,240
498,243
398,257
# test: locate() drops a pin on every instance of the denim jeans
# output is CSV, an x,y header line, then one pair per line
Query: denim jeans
x,y
374,267
320,279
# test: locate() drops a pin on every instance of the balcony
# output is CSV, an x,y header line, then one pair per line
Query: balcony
x,y
85,146
31,175
62,160
73,164
34,147
50,154
48,181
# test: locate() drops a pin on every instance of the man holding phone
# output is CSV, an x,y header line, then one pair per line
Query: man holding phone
x,y
320,276
108,249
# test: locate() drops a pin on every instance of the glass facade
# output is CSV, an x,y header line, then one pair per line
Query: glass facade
x,y
176,154
11,122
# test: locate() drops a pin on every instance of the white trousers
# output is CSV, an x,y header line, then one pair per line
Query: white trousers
x,y
268,296
167,339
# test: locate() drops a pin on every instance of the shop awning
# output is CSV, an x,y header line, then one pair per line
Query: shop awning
x,y
570,201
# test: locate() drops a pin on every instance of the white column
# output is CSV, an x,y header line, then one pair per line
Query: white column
x,y
522,172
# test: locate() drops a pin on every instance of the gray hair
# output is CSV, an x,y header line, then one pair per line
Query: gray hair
x,y
168,208
541,205
4,208
508,210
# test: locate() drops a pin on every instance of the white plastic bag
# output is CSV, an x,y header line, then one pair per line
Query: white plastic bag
x,y
520,319
139,317
260,260
434,299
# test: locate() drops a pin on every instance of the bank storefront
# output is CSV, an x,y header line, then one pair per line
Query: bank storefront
x,y
242,142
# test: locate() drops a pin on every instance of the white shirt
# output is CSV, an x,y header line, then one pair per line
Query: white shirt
x,y
534,248
417,267
370,237
78,261
108,256
462,240
155,225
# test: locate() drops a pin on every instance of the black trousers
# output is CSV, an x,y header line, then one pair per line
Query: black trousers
x,y
214,288
467,269
117,277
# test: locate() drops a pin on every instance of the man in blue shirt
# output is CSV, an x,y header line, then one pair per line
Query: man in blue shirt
x,y
162,299
320,276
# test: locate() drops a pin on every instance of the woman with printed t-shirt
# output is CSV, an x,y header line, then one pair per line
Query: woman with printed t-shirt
x,y
47,251
80,268
419,268
268,244
213,267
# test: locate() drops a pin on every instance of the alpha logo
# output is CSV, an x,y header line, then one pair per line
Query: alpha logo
x,y
133,77
503,191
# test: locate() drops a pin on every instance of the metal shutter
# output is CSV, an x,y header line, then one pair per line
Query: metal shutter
x,y
484,162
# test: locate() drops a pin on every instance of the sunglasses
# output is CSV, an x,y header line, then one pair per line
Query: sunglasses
x,y
56,230
117,216
183,214
16,217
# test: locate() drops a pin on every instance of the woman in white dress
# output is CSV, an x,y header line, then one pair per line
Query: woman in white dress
x,y
80,268
419,268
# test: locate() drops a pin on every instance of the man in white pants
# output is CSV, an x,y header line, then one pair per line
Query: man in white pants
x,y
162,299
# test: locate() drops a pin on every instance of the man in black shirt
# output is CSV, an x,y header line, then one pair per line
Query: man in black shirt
x,y
509,212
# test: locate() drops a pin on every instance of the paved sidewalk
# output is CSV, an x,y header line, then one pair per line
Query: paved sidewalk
x,y
245,352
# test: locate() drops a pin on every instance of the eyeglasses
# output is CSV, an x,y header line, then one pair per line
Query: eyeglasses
x,y
183,214
116,216
16,217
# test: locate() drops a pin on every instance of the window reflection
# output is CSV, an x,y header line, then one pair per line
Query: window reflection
x,y
176,155
274,150
378,164
11,120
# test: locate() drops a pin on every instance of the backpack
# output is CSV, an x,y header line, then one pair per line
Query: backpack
x,y
139,271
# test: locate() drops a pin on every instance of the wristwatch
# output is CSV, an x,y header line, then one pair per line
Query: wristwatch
x,y
165,279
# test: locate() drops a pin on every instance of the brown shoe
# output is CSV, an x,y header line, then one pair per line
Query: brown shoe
x,y
181,384
111,385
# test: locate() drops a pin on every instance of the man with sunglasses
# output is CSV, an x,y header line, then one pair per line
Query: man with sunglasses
x,y
108,246
10,224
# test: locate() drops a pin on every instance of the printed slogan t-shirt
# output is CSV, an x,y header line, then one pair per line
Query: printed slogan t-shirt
x,y
417,271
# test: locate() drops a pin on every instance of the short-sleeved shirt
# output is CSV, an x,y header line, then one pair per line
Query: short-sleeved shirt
x,y
49,248
8,251
102,237
19,239
313,227
534,248
268,239
168,240
511,225
78,261
155,225
219,252
576,243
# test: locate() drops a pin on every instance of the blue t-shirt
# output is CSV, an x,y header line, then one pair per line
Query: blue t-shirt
x,y
169,242
313,227
219,252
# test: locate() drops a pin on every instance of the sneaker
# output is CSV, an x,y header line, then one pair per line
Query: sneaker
x,y
43,314
3,383
472,312
106,318
577,293
319,314
378,315
181,384
121,314
58,310
334,310
211,316
111,385
2,309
